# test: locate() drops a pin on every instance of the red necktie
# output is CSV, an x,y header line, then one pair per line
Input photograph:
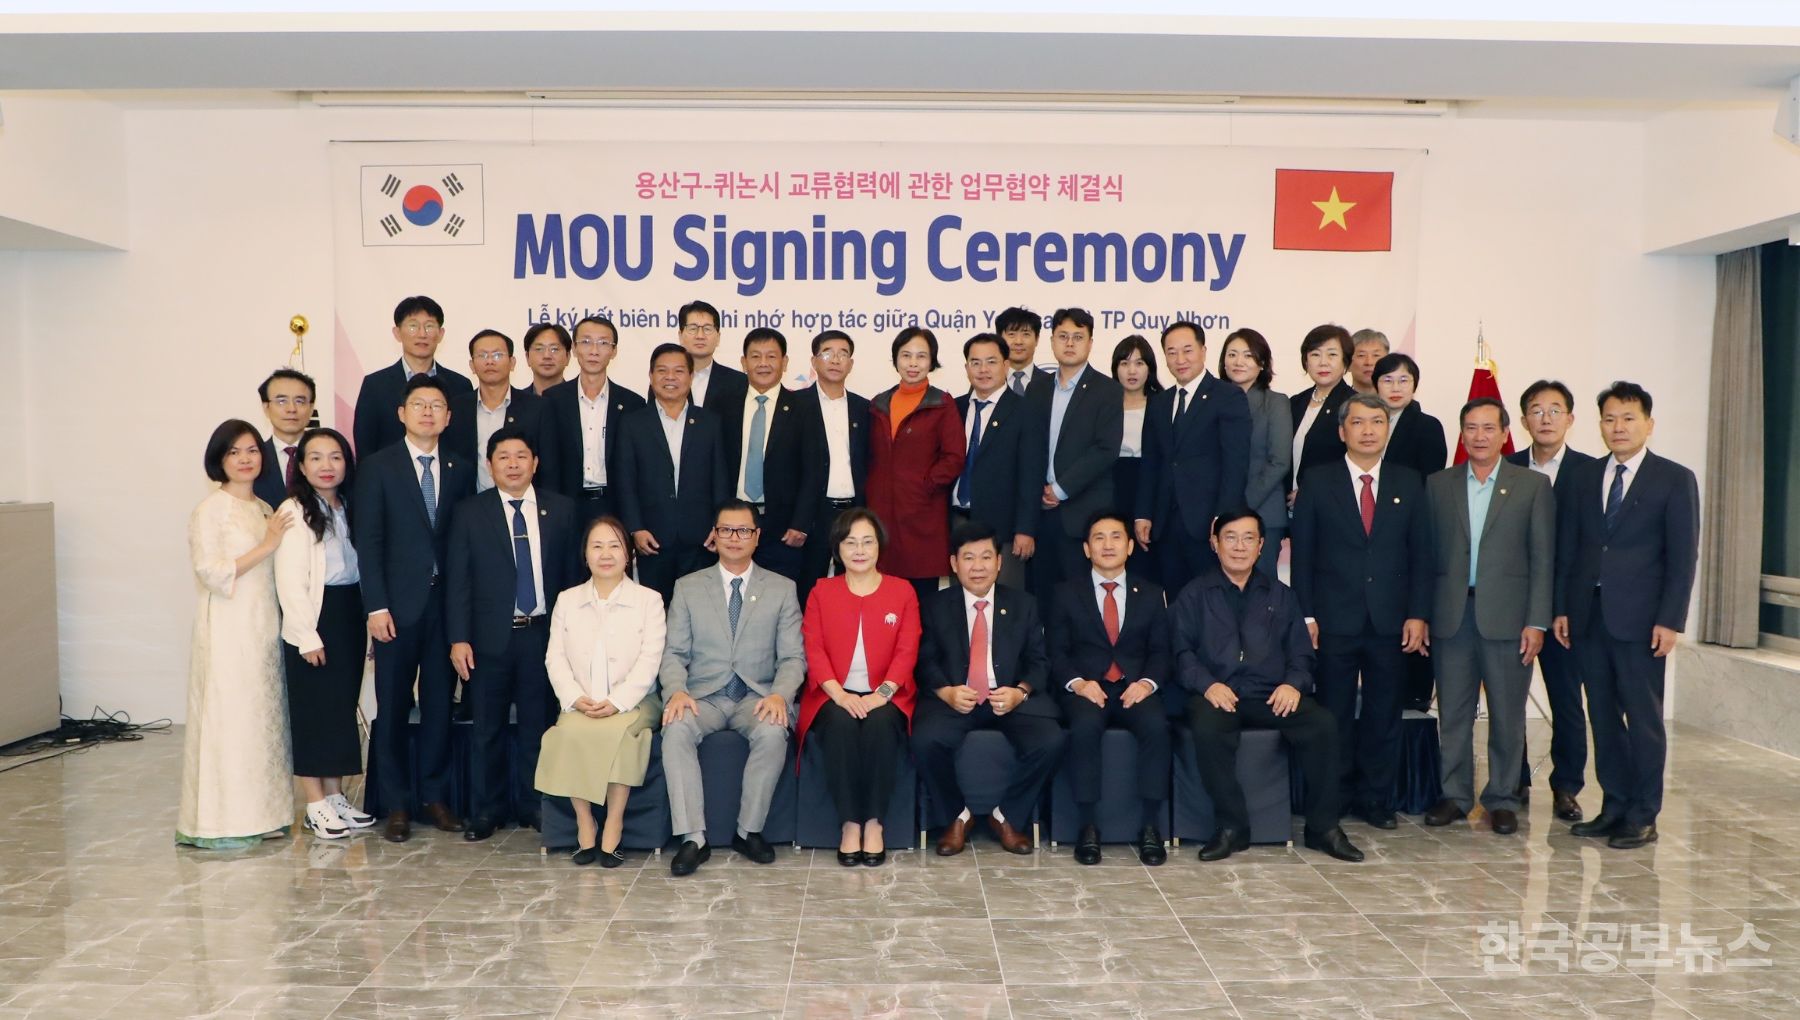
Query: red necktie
x,y
979,681
1110,616
1368,504
288,452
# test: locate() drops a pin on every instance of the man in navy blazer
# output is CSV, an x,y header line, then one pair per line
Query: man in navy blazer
x,y
288,398
713,384
418,329
581,424
1548,409
1109,659
1079,413
1627,550
1242,652
1003,467
1361,567
672,475
838,423
1196,458
780,478
492,405
961,689
512,551
406,494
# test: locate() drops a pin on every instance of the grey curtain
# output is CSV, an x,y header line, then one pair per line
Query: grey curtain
x,y
1732,556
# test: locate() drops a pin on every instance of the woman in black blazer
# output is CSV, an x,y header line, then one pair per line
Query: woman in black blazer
x,y
1324,355
1415,439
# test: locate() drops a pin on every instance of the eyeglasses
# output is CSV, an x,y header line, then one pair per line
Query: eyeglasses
x,y
731,531
1239,541
1545,413
591,344
1070,338
834,356
696,329
542,348
491,357
428,329
434,406
1396,380
291,401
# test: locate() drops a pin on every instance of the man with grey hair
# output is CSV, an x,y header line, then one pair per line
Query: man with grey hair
x,y
1367,346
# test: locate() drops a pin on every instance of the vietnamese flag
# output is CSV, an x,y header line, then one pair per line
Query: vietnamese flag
x,y
1334,210
1485,382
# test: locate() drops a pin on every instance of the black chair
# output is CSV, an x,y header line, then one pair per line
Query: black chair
x,y
1119,813
818,825
1262,769
646,813
983,765
722,758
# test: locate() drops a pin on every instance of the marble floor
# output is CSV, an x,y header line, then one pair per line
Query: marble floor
x,y
101,916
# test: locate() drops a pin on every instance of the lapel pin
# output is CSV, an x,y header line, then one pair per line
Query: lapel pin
x,y
543,513
690,421
753,598
1502,492
1134,589
1002,612
1396,499
1203,396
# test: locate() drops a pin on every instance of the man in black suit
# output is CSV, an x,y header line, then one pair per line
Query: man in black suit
x,y
672,475
1079,415
1109,657
405,499
714,385
771,450
491,406
1549,409
840,448
512,551
1019,329
1242,652
1196,457
1006,491
1361,567
288,399
581,424
982,666
1627,549
418,329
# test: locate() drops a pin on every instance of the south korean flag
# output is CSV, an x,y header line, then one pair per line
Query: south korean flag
x,y
422,205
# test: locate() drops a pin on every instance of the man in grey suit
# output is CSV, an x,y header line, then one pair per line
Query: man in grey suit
x,y
1495,546
733,659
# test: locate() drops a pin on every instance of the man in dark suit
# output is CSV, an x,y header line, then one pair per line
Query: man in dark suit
x,y
1549,409
1006,491
548,349
491,406
672,475
418,329
581,424
1019,329
1196,457
1242,652
714,385
1493,527
1109,657
982,666
1361,569
1624,573
771,448
288,399
512,551
406,495
1080,415
839,427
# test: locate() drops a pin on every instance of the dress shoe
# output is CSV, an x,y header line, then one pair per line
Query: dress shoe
x,y
1602,825
1523,793
1087,847
874,860
754,847
1011,840
850,858
478,829
1150,847
442,817
584,856
1336,844
399,827
954,838
689,857
1630,837
1567,807
1378,817
1503,822
611,858
1444,812
1224,843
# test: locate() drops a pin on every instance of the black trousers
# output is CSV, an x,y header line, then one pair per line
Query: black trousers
x,y
1568,718
1421,680
1624,685
420,652
1147,720
1057,559
817,553
594,505
1180,557
512,674
1368,744
860,758
1310,733
938,732
676,560
322,699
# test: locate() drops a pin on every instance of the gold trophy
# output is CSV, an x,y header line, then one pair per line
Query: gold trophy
x,y
297,358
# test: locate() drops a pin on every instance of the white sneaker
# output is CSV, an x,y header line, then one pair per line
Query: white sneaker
x,y
324,822
348,815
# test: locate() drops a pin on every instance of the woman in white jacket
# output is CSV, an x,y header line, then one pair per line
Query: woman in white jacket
x,y
324,637
606,644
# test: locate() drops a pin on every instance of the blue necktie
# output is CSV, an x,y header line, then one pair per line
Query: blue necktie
x,y
428,489
737,690
1615,496
963,497
525,587
1018,382
753,463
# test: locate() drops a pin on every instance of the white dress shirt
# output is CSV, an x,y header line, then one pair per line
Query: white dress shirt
x,y
437,469
1553,466
1356,474
1099,583
839,482
969,599
1191,389
1631,472
606,649
702,380
856,678
672,429
530,510
487,422
593,434
283,457
769,409
726,577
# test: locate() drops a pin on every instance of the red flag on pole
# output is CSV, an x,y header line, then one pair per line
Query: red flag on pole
x,y
1485,382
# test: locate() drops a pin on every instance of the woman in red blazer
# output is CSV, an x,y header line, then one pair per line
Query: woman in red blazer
x,y
915,454
862,640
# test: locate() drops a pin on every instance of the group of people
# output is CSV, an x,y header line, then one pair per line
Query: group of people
x,y
1054,552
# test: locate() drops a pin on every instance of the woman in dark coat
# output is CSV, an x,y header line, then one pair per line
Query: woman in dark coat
x,y
1415,439
1324,355
915,454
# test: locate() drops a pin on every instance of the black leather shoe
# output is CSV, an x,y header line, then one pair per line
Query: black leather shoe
x,y
754,847
1523,793
1503,822
478,829
1087,847
398,828
1378,817
850,859
1602,825
1150,848
1568,809
1336,844
583,856
874,860
1444,812
1224,843
1630,837
689,857
611,858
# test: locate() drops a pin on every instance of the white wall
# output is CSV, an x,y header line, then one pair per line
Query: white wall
x,y
1720,179
1534,227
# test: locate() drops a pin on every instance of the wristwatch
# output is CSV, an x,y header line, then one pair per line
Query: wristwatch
x,y
887,689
